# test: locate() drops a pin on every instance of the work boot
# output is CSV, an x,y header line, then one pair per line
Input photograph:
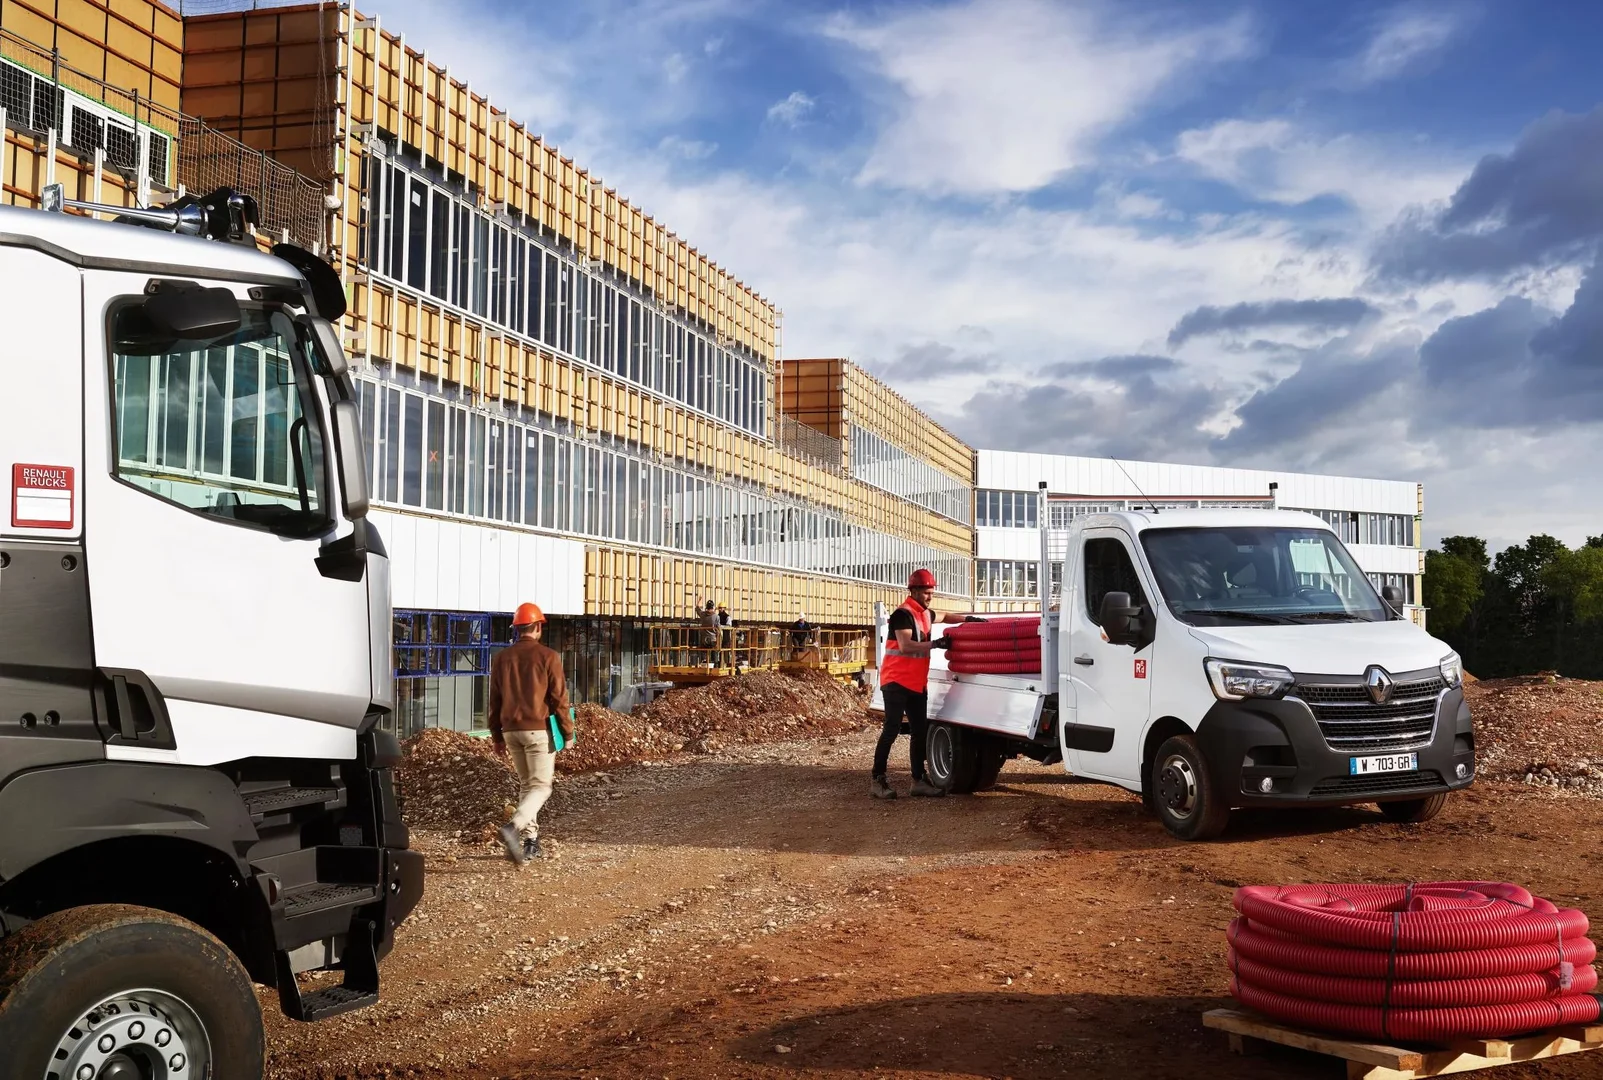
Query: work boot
x,y
923,789
879,789
513,844
531,848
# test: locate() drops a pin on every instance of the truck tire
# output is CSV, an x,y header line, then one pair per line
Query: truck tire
x,y
89,989
993,755
1182,792
951,758
1414,810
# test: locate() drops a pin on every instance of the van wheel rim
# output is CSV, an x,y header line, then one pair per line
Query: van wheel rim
x,y
940,755
1177,787
134,1035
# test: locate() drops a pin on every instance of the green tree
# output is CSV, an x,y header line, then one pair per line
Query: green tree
x,y
1577,577
1453,588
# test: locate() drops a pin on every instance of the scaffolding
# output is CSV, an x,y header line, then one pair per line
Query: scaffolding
x,y
691,653
841,653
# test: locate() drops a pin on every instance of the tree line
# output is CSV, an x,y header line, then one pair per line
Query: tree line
x,y
1537,606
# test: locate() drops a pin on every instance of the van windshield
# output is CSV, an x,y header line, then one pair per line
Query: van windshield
x,y
1232,576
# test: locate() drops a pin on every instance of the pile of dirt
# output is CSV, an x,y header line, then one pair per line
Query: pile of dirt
x,y
1540,729
606,738
759,706
449,780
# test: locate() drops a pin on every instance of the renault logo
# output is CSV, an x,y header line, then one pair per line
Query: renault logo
x,y
1379,684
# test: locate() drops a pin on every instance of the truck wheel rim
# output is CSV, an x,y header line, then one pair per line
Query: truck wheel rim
x,y
940,755
1177,786
132,1035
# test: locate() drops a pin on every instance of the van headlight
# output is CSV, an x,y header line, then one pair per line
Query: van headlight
x,y
1232,680
1452,670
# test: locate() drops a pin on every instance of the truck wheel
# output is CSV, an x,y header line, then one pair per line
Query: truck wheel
x,y
992,756
1182,791
1414,810
951,760
115,992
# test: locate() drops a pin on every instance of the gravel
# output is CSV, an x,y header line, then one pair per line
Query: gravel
x,y
1544,730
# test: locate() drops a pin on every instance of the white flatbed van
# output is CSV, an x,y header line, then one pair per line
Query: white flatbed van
x,y
1213,659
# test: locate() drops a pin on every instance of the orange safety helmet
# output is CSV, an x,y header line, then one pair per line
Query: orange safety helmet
x,y
921,579
528,615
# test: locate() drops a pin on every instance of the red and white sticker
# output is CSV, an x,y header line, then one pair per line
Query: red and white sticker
x,y
1140,669
42,496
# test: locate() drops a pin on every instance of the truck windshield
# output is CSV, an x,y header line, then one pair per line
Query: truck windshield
x,y
1227,576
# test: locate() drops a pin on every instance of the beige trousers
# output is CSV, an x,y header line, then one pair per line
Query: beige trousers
x,y
535,764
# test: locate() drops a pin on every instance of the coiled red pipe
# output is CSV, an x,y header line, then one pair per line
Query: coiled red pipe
x,y
996,647
1427,962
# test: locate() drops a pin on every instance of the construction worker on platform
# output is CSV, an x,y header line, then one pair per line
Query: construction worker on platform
x,y
528,693
904,679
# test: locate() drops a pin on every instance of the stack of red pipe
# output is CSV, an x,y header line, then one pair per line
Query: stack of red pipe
x,y
995,647
1425,962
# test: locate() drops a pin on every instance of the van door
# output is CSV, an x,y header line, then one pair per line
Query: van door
x,y
209,492
1111,684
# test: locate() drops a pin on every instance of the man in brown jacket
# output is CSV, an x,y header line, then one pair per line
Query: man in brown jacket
x,y
527,687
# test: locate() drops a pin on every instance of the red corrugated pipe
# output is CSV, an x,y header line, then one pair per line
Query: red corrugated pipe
x,y
1428,962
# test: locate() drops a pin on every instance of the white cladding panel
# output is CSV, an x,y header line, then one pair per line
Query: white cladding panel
x,y
457,566
1009,544
1011,471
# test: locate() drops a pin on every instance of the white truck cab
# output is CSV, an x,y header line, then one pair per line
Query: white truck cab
x,y
1212,659
195,627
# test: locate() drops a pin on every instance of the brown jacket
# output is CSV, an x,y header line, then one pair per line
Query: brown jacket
x,y
526,686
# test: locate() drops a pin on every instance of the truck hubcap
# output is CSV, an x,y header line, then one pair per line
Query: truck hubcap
x,y
1177,786
135,1035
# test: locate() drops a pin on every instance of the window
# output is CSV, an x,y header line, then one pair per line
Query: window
x,y
1108,568
226,427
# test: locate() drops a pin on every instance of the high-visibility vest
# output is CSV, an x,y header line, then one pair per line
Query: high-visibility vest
x,y
909,672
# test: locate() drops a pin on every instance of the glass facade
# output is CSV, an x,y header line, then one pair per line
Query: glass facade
x,y
1390,530
890,468
429,453
1405,582
1006,509
426,234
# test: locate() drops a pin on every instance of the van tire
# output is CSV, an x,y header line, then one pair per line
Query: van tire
x,y
170,985
992,756
1413,811
951,758
1182,791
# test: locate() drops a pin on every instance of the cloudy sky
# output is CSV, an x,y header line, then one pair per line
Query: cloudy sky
x,y
1357,238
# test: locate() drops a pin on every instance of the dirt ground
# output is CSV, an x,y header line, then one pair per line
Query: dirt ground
x,y
752,913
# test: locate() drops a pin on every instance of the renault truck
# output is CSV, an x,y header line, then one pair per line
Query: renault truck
x,y
195,780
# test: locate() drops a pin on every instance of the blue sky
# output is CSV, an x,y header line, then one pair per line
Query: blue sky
x,y
1348,238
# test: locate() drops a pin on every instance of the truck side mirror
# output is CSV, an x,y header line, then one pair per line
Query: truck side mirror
x,y
1115,616
349,450
1393,596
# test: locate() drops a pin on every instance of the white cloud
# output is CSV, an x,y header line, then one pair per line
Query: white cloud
x,y
686,149
997,96
1407,36
792,110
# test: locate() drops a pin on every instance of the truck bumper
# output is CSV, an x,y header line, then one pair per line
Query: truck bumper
x,y
1248,742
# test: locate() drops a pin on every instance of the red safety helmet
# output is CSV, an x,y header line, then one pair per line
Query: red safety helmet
x,y
528,615
921,579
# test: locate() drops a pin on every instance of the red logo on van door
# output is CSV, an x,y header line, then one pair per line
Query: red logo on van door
x,y
1140,669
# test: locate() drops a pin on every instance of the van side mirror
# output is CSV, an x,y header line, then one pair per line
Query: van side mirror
x,y
189,312
1116,616
1393,596
351,453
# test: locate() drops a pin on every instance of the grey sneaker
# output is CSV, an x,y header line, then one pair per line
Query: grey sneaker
x,y
513,843
923,789
531,848
879,789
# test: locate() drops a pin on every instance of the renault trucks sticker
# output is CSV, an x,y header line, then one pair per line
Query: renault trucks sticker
x,y
42,496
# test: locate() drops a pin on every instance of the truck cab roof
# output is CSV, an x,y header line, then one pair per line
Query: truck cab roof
x,y
1137,521
107,245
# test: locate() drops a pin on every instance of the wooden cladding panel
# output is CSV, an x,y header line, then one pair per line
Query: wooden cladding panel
x,y
134,45
27,171
876,407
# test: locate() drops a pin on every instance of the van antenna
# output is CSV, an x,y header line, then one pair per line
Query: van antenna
x,y
1133,484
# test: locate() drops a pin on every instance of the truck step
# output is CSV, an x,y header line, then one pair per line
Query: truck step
x,y
264,803
322,897
359,989
322,1004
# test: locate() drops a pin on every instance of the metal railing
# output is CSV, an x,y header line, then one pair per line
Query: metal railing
x,y
811,445
838,651
696,653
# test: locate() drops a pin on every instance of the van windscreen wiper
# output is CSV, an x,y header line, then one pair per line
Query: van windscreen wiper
x,y
1251,616
1334,616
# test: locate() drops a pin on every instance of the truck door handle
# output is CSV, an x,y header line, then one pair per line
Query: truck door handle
x,y
1084,661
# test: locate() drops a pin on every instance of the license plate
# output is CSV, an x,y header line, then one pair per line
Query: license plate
x,y
1364,766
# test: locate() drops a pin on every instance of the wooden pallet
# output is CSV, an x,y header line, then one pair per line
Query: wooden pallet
x,y
1374,1061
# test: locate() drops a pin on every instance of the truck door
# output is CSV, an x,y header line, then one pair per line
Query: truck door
x,y
209,491
1111,684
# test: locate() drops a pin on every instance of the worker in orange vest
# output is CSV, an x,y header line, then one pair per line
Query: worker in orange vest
x,y
904,680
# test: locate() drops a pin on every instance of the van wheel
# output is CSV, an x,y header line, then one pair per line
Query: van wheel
x,y
951,758
1413,811
1182,791
110,991
992,756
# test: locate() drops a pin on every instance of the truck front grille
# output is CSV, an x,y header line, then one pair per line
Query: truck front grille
x,y
1351,722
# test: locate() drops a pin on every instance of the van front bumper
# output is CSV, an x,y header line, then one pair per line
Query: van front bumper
x,y
1247,742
